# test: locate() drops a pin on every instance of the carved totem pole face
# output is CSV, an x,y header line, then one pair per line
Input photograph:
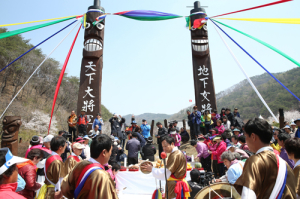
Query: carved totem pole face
x,y
89,96
11,126
93,36
200,45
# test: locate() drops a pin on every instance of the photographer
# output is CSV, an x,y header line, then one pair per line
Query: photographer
x,y
196,118
145,129
116,124
67,150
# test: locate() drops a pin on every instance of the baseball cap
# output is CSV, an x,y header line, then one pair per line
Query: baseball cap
x,y
217,138
78,146
10,160
48,138
86,137
287,127
79,139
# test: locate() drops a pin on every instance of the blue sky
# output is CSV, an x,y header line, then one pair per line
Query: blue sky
x,y
148,65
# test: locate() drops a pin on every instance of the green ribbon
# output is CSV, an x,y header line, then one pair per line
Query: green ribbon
x,y
152,18
22,30
262,42
187,21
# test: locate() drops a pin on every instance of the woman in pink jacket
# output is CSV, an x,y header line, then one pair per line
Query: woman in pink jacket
x,y
221,147
220,127
213,147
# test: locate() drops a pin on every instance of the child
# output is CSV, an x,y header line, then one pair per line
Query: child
x,y
176,137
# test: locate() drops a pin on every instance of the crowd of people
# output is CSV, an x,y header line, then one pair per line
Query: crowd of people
x,y
253,157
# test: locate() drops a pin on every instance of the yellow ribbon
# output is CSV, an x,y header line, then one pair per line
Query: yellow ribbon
x,y
84,21
13,24
186,194
269,20
43,191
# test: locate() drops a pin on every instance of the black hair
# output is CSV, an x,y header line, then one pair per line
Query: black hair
x,y
223,136
292,146
100,143
61,132
195,175
98,114
134,134
283,136
10,170
227,109
168,139
242,139
225,117
158,123
184,138
261,128
115,167
56,142
35,153
235,137
35,140
193,142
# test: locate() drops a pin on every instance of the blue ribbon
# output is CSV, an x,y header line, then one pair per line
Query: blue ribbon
x,y
256,61
36,46
81,184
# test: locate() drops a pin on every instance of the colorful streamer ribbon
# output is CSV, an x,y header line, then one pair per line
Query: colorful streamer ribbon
x,y
263,43
19,31
261,6
36,46
35,72
13,24
147,15
61,77
247,77
256,61
268,20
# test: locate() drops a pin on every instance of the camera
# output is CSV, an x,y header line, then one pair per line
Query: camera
x,y
67,135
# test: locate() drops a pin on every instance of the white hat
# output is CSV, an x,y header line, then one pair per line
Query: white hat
x,y
115,143
10,160
48,138
78,146
86,137
293,124
173,132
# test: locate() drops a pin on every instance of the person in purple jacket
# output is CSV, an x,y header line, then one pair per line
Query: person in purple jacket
x,y
203,155
196,119
282,137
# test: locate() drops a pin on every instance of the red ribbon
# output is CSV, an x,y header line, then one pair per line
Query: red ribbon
x,y
261,6
61,76
178,188
198,22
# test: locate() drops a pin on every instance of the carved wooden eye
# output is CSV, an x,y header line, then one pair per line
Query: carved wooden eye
x,y
87,25
205,27
100,26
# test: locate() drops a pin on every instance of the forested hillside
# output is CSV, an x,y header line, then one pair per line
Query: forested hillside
x,y
245,99
38,94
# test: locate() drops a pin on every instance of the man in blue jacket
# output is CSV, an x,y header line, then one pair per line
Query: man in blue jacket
x,y
196,119
145,129
297,122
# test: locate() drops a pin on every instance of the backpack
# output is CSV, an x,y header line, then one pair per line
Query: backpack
x,y
249,153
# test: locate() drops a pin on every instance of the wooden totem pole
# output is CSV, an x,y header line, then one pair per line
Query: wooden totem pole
x,y
9,139
89,96
202,69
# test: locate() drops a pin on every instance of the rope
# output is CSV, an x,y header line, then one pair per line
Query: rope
x,y
249,80
36,70
256,61
36,46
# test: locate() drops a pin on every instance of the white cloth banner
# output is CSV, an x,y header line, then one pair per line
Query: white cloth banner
x,y
137,183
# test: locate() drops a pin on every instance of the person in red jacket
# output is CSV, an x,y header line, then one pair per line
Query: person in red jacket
x,y
9,174
221,147
27,171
